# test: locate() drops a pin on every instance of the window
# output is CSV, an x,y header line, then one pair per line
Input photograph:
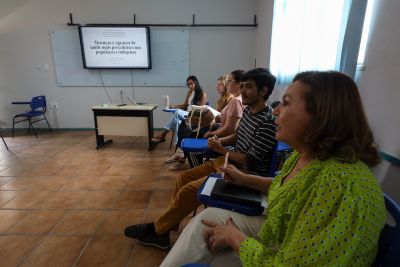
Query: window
x,y
309,35
365,34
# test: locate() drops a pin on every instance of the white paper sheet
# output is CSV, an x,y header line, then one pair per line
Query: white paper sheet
x,y
208,187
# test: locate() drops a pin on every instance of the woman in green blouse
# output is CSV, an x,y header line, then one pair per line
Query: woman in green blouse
x,y
325,208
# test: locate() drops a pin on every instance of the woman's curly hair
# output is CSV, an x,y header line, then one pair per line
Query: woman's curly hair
x,y
339,127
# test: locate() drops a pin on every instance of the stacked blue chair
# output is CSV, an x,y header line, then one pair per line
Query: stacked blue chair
x,y
38,109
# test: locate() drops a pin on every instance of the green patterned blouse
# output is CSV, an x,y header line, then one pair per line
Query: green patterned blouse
x,y
329,214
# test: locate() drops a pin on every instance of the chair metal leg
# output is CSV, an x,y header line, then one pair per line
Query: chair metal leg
x,y
12,135
31,126
4,141
48,124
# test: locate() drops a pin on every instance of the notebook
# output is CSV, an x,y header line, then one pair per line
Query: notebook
x,y
237,194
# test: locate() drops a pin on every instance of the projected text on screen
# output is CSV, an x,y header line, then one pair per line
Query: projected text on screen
x,y
115,47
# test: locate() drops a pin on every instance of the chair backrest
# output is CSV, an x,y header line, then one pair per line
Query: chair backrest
x,y
39,102
280,148
389,241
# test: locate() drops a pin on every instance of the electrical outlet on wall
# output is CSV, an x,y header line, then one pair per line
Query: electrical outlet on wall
x,y
54,105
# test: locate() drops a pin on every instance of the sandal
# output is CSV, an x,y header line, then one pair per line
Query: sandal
x,y
158,140
178,166
175,157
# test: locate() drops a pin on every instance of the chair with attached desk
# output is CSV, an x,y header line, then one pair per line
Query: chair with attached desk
x,y
172,110
38,109
250,210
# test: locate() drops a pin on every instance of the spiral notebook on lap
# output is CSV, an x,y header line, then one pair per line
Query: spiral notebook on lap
x,y
237,194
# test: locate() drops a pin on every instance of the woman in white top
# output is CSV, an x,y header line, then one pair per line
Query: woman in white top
x,y
195,96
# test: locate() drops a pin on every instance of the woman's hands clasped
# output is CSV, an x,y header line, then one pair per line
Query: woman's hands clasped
x,y
219,236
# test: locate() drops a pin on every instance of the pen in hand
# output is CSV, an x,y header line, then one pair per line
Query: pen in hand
x,y
225,164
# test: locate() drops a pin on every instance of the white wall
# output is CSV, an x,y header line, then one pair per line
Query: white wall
x,y
378,84
25,47
379,88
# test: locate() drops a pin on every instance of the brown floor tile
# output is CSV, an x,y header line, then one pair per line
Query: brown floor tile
x,y
81,183
98,169
80,222
46,169
138,182
3,167
14,249
65,203
63,200
98,200
133,199
21,183
160,198
106,250
153,214
34,183
4,180
146,256
57,251
6,196
112,182
26,200
8,218
14,171
120,170
117,220
38,222
71,170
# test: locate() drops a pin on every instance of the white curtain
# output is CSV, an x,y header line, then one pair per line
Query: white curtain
x,y
306,35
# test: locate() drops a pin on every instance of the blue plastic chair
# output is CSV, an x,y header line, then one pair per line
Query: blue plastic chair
x,y
38,109
195,145
249,210
389,241
201,145
278,156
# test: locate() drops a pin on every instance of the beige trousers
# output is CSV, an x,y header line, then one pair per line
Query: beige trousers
x,y
191,247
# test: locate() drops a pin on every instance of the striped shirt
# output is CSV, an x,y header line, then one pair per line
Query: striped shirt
x,y
256,139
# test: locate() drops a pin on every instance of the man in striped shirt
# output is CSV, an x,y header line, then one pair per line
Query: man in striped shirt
x,y
254,144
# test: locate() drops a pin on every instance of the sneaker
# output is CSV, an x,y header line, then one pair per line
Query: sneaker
x,y
160,241
139,230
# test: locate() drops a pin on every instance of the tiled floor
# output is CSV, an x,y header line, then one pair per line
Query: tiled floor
x,y
64,203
